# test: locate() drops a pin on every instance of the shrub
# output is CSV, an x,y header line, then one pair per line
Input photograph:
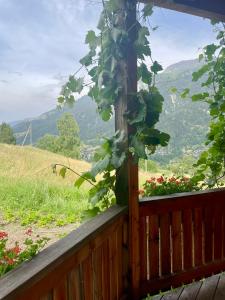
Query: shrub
x,y
168,185
13,256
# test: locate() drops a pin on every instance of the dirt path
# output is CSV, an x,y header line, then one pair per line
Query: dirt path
x,y
16,232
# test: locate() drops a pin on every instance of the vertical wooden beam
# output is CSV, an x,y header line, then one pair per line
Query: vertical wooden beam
x,y
127,175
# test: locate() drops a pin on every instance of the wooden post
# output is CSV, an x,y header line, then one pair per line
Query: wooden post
x,y
127,175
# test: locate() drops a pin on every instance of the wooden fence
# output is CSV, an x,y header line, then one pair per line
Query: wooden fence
x,y
90,263
182,237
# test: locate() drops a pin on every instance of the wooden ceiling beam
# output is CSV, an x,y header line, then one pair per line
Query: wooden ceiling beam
x,y
212,9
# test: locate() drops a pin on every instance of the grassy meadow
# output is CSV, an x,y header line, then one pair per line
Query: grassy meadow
x,y
31,194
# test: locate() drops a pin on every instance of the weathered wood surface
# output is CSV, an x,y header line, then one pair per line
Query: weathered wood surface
x,y
211,288
182,238
90,263
212,9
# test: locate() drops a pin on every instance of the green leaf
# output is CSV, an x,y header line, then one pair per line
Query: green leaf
x,y
210,50
75,85
144,74
91,39
156,67
81,180
139,147
100,166
62,172
198,74
200,96
185,93
90,213
147,10
87,59
173,90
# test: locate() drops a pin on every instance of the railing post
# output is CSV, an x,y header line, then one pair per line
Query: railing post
x,y
127,175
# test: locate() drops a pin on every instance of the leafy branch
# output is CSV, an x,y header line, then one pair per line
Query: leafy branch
x,y
107,54
211,164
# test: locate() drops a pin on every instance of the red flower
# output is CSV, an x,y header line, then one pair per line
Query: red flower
x,y
177,182
16,249
141,192
172,179
29,231
149,180
9,260
3,235
160,179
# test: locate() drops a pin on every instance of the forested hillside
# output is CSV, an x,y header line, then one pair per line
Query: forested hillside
x,y
185,121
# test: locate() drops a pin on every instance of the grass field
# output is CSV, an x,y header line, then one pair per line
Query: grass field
x,y
30,193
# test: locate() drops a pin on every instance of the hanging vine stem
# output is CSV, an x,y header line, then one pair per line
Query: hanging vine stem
x,y
106,52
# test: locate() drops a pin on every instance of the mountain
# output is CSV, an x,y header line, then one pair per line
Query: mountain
x,y
92,128
185,121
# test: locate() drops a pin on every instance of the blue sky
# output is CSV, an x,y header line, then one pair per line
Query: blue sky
x,y
41,42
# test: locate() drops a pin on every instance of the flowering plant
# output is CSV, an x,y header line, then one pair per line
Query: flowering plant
x,y
10,257
156,186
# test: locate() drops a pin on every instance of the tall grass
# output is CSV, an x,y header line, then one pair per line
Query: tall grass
x,y
41,202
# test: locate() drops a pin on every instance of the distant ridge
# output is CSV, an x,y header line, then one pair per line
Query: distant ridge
x,y
186,122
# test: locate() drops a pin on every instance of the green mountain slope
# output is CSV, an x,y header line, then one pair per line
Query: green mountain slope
x,y
185,121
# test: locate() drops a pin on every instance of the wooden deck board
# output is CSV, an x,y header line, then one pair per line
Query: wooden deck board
x,y
211,288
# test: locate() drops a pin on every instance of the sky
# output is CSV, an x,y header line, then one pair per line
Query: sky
x,y
41,42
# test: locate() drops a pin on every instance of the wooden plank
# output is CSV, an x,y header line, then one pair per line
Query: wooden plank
x,y
191,291
74,284
97,274
49,296
165,244
112,267
206,9
223,234
143,248
208,288
60,291
198,236
187,238
119,245
176,280
176,241
163,204
105,270
57,260
87,270
173,295
154,246
208,222
220,291
131,59
218,238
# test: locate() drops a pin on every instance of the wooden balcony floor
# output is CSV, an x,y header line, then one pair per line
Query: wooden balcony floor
x,y
211,288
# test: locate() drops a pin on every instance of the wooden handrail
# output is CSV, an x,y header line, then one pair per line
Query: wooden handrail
x,y
180,195
182,238
55,263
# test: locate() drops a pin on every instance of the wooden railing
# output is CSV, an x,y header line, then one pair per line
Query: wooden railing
x,y
90,263
182,237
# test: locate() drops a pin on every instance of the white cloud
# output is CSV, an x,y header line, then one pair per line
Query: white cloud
x,y
43,40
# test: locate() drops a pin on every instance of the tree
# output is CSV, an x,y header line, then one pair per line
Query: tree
x,y
211,164
49,142
68,141
6,134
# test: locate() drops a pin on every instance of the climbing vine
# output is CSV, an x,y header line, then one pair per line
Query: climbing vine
x,y
104,65
211,164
